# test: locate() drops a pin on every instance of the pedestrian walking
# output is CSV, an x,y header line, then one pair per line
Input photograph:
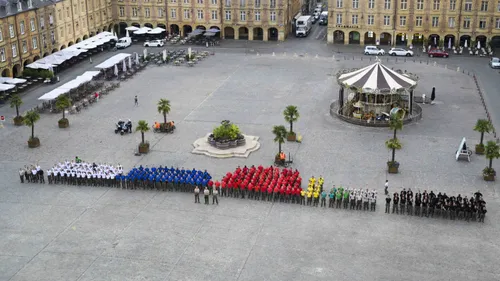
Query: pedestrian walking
x,y
206,192
21,174
215,194
386,189
136,101
196,194
387,204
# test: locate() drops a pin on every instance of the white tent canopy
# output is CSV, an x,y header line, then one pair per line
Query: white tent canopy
x,y
14,81
112,61
376,77
63,55
73,84
5,87
156,30
142,30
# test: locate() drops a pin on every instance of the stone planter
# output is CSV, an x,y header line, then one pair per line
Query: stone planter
x,y
291,137
18,121
479,149
241,142
222,145
63,123
489,177
144,148
233,143
33,142
393,168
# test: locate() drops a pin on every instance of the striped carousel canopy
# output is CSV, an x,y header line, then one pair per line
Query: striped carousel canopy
x,y
376,77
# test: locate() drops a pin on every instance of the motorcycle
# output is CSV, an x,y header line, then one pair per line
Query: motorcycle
x,y
122,127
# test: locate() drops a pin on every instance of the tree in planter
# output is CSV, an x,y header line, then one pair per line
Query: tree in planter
x,y
279,136
63,102
291,114
29,120
143,127
164,108
395,124
492,151
482,126
16,102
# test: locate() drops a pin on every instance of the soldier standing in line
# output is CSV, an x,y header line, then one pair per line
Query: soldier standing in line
x,y
425,202
387,204
409,205
196,194
418,201
402,202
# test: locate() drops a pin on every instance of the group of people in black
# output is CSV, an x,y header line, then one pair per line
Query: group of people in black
x,y
440,205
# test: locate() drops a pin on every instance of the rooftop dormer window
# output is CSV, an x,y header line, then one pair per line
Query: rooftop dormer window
x,y
19,6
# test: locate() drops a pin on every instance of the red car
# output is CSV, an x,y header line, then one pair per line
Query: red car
x,y
437,53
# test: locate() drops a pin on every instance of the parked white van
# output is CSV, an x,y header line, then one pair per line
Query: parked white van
x,y
123,42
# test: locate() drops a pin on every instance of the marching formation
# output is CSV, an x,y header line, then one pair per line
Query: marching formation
x,y
441,205
164,178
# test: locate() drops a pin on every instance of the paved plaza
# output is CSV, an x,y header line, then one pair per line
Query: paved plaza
x,y
63,233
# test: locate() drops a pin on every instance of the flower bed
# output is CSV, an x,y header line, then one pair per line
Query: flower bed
x,y
225,136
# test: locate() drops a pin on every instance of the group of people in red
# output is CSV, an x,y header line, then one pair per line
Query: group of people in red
x,y
258,183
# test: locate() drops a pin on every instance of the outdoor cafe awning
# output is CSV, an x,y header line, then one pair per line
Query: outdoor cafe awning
x,y
12,81
209,34
112,61
5,87
73,84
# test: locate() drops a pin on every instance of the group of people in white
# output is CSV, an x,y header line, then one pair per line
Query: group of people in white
x,y
363,199
78,172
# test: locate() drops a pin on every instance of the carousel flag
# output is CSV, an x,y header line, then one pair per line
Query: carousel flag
x,y
116,70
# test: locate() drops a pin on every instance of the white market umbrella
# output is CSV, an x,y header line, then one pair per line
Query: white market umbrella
x,y
129,62
449,43
116,70
127,35
164,55
136,58
132,28
145,52
465,44
479,45
124,66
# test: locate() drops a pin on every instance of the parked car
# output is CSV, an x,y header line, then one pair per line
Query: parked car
x,y
400,52
438,53
153,43
314,20
373,50
495,63
123,43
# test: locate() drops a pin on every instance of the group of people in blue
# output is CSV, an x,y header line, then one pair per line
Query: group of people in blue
x,y
164,178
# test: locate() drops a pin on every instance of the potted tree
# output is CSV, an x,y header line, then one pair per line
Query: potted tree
x,y
279,137
482,126
63,102
143,127
29,120
16,102
492,150
395,124
164,109
291,114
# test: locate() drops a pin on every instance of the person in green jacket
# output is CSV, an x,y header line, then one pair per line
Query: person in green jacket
x,y
338,197
346,198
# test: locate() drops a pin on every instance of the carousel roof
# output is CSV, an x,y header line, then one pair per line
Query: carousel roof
x,y
376,77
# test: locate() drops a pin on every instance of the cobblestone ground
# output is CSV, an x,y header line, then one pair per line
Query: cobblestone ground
x,y
62,233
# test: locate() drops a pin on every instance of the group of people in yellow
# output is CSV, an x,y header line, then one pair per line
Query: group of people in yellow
x,y
314,189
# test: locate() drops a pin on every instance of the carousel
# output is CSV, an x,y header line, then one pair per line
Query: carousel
x,y
375,92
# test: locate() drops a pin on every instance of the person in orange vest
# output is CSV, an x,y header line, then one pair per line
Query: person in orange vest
x,y
282,156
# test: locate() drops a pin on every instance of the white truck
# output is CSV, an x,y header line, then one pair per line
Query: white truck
x,y
303,26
